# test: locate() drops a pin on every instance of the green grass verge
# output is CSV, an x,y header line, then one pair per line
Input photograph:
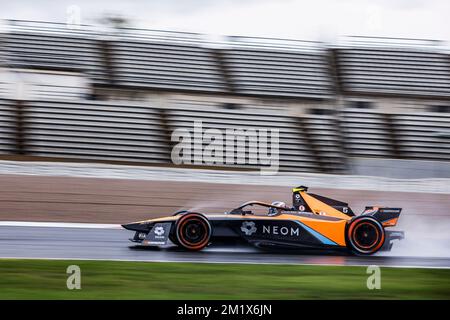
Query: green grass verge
x,y
46,279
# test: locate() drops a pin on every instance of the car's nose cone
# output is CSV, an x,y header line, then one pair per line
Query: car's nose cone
x,y
136,226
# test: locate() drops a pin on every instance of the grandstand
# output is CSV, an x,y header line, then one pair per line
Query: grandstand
x,y
299,70
406,69
96,131
110,94
144,61
51,46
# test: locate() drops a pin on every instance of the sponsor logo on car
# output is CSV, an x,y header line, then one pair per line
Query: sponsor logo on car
x,y
159,231
248,227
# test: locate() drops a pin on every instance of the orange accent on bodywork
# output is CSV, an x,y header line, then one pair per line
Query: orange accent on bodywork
x,y
333,230
318,207
390,223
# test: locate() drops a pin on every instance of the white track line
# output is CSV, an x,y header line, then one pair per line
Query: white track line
x,y
59,225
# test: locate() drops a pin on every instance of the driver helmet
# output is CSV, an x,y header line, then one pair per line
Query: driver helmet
x,y
274,211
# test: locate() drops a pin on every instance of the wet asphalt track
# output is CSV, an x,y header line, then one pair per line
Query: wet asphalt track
x,y
113,244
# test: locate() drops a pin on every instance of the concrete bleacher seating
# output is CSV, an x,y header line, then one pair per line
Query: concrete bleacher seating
x,y
417,135
178,63
162,60
53,46
159,60
96,131
394,71
190,78
294,71
365,133
424,135
137,133
295,154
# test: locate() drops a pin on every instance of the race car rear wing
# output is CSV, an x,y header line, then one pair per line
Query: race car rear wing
x,y
387,216
300,204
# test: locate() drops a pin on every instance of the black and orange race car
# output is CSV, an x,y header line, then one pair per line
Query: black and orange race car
x,y
313,222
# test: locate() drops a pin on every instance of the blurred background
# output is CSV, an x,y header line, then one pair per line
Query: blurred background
x,y
112,93
356,89
117,93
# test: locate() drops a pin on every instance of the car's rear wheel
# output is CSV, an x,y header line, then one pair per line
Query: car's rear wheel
x,y
365,235
193,231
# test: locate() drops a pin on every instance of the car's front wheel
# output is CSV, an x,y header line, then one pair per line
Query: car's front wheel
x,y
193,231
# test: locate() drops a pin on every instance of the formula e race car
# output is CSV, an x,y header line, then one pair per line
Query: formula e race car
x,y
313,222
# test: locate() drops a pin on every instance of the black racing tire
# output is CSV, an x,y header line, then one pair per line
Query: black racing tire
x,y
193,231
365,235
